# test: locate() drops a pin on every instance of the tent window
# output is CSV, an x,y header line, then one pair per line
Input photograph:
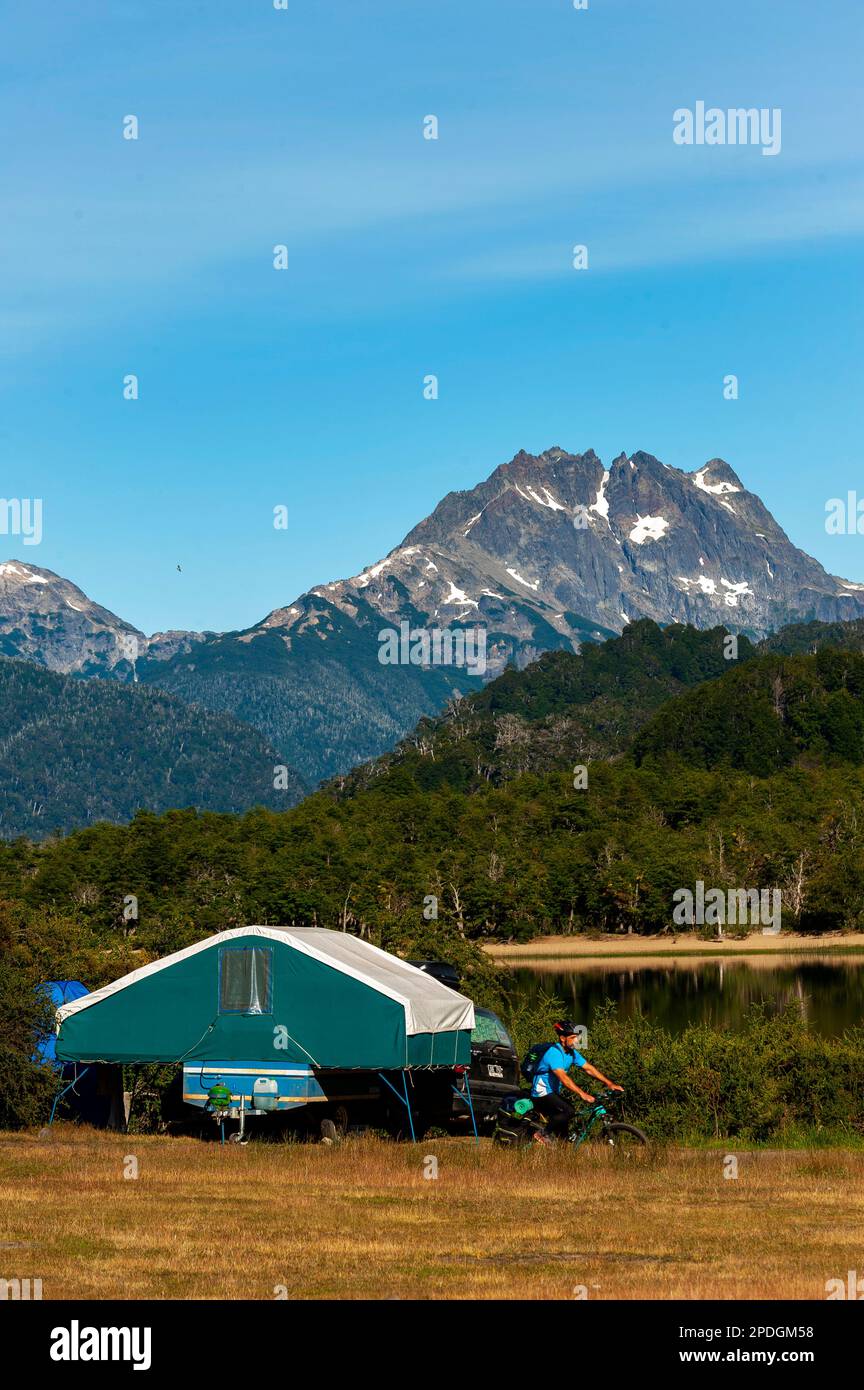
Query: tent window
x,y
245,980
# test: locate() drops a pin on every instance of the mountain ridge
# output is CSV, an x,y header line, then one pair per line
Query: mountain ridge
x,y
548,552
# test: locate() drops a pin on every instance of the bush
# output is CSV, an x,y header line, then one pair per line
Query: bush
x,y
26,1086
772,1080
530,1021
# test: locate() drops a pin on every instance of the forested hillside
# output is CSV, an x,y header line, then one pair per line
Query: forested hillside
x,y
561,710
322,698
74,752
803,638
767,715
532,857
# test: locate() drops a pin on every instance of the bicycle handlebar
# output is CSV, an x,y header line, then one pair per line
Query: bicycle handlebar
x,y
608,1097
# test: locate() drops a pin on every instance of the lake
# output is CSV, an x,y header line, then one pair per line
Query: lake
x,y
829,993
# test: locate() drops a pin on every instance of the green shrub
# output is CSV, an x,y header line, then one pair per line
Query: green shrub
x,y
766,1082
26,1086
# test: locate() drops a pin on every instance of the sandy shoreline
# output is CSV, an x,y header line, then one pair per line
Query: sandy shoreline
x,y
564,948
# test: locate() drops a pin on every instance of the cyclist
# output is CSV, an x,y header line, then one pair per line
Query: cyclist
x,y
552,1075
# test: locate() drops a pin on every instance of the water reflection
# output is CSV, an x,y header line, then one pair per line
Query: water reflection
x,y
829,995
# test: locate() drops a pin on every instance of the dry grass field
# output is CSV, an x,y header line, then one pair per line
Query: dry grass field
x,y
361,1220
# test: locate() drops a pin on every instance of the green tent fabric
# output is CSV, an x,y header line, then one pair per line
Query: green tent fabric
x,y
300,994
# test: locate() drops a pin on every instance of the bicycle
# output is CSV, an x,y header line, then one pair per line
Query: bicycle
x,y
620,1136
519,1124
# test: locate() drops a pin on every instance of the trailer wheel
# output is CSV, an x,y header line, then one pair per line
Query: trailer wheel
x,y
328,1132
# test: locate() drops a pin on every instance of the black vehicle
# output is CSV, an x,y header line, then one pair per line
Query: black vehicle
x,y
439,970
494,1071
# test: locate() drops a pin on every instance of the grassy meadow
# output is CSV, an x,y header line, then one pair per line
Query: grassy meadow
x,y
361,1221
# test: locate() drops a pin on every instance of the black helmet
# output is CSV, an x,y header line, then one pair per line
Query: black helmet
x,y
565,1028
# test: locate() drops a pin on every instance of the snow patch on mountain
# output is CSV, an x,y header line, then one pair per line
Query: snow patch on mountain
x,y
552,503
648,528
734,592
702,582
12,570
459,596
715,489
600,505
527,582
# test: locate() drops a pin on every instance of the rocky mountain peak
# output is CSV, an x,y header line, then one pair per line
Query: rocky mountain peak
x,y
49,620
559,540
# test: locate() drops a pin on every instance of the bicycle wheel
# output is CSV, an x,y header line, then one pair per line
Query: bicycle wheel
x,y
624,1139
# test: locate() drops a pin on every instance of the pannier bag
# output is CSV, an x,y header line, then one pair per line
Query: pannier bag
x,y
517,1122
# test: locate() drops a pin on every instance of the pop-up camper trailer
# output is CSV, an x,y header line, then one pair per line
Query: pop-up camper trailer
x,y
267,1016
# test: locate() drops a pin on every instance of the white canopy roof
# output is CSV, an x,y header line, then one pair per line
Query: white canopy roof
x,y
430,1007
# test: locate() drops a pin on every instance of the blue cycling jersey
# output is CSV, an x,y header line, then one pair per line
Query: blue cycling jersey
x,y
555,1058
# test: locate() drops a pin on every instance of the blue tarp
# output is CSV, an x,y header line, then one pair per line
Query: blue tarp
x,y
59,992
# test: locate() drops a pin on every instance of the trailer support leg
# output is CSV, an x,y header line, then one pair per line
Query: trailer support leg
x,y
470,1102
60,1094
403,1099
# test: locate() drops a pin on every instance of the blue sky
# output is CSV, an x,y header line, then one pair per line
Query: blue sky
x,y
408,257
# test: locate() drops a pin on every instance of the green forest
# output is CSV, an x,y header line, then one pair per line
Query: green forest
x,y
77,752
